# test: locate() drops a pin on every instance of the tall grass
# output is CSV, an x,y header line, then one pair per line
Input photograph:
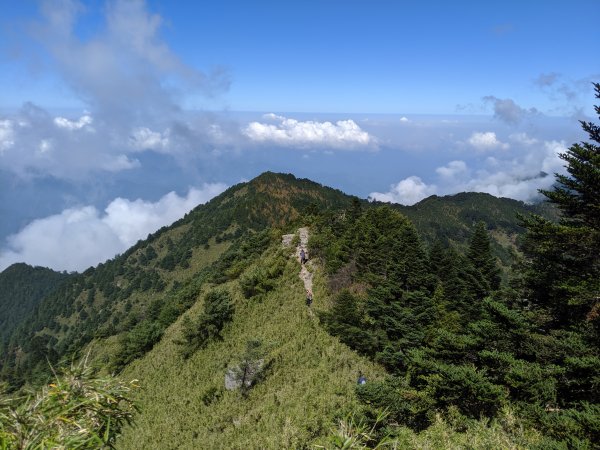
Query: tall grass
x,y
308,382
77,410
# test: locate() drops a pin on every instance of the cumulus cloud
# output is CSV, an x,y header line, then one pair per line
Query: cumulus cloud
x,y
506,110
485,141
34,143
343,134
144,138
519,177
404,119
121,71
131,83
452,169
81,237
407,192
84,121
6,135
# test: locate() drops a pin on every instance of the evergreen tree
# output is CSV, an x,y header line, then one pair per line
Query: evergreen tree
x,y
481,257
218,311
248,371
564,258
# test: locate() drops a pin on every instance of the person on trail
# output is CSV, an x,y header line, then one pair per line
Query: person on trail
x,y
302,256
361,379
309,297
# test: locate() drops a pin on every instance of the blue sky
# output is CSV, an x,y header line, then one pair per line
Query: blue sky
x,y
116,117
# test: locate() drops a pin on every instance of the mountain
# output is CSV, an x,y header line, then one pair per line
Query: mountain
x,y
22,287
190,306
157,278
453,217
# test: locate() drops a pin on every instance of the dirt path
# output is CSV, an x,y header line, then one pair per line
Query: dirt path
x,y
305,275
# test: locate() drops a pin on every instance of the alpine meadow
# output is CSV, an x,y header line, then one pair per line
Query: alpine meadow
x,y
299,225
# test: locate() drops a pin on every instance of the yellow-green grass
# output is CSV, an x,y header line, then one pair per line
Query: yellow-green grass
x,y
310,380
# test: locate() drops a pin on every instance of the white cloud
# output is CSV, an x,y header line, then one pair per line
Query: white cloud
x,y
519,177
118,163
144,138
404,119
272,116
6,135
523,138
126,76
126,69
407,192
485,141
452,169
45,145
294,133
84,121
81,237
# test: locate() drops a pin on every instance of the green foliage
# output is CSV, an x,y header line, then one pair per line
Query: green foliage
x,y
480,256
218,311
308,376
347,320
564,259
22,287
355,433
76,410
111,298
456,347
262,278
137,342
247,371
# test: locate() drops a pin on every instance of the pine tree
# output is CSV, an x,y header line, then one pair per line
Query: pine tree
x,y
578,194
564,258
481,257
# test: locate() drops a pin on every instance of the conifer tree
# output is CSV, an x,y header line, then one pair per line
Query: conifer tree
x,y
564,258
480,255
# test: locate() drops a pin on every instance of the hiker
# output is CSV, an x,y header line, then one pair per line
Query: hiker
x,y
361,379
309,297
302,256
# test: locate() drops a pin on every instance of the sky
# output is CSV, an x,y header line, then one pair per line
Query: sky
x,y
119,116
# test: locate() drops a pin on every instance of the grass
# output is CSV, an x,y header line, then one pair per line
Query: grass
x,y
309,381
307,388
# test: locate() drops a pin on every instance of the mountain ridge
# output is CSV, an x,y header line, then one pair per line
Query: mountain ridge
x,y
390,282
116,294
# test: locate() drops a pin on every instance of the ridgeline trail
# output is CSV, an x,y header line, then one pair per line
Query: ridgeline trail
x,y
305,275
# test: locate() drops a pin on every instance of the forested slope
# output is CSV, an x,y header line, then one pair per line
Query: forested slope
x,y
142,291
22,287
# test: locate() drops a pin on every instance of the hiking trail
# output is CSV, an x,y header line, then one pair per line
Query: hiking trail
x,y
305,275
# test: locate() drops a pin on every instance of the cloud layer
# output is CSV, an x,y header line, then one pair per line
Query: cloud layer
x,y
343,134
131,83
78,238
519,177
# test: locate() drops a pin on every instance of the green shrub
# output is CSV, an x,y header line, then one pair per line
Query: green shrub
x,y
137,342
77,410
218,310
